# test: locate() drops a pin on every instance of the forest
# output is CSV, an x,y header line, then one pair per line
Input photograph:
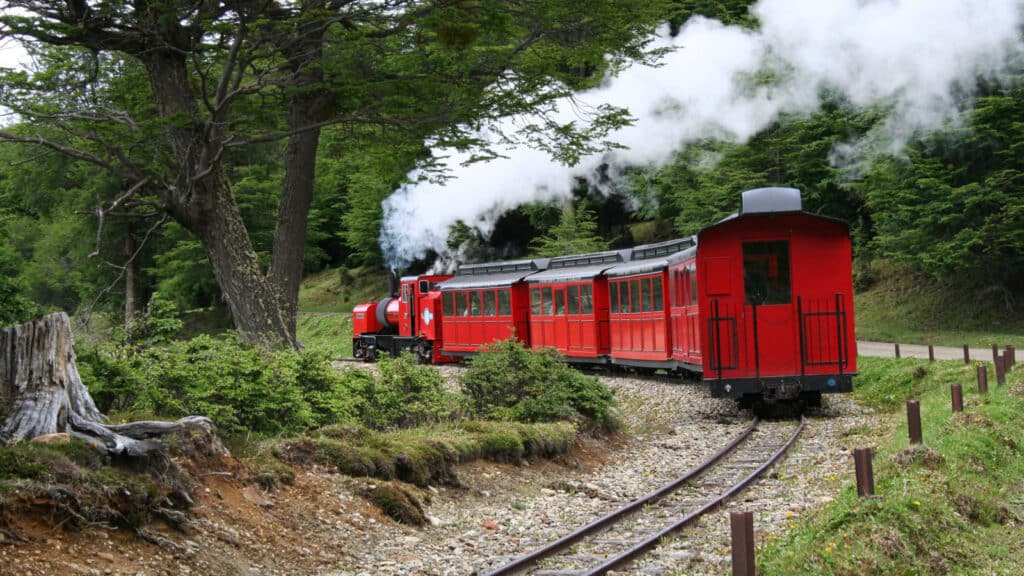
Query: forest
x,y
217,153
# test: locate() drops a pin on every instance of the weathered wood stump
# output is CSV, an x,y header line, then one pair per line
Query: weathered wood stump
x,y
42,393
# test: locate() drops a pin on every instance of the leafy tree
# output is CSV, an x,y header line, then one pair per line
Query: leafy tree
x,y
15,306
575,233
220,77
953,208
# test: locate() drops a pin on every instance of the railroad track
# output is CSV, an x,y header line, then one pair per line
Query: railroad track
x,y
623,536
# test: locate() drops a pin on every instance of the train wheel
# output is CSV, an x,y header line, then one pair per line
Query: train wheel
x,y
426,353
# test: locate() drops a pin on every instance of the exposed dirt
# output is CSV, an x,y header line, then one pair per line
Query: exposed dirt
x,y
317,525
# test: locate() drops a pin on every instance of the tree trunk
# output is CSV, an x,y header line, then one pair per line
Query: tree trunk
x,y
293,210
130,287
41,393
202,202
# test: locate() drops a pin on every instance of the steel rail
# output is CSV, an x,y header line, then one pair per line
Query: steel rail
x,y
632,553
610,518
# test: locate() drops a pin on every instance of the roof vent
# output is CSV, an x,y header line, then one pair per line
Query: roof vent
x,y
768,200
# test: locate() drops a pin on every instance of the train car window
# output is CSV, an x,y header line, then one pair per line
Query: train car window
x,y
613,291
656,295
766,272
634,296
424,286
559,302
489,303
448,302
546,303
645,294
460,304
535,301
586,300
692,273
624,296
474,303
573,299
504,303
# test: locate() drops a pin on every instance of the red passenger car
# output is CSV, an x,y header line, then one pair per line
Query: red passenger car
x,y
569,305
484,303
775,290
640,319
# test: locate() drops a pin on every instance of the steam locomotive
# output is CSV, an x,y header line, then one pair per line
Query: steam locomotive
x,y
760,304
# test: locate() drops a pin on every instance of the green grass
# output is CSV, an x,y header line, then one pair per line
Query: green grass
x,y
947,507
329,331
338,290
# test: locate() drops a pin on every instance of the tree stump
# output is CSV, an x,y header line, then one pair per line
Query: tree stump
x,y
42,393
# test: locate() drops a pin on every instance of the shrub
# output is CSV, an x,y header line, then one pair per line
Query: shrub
x,y
242,388
507,381
403,394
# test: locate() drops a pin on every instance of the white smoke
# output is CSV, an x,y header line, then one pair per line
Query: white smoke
x,y
917,55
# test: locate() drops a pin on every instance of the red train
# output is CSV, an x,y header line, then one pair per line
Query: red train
x,y
760,304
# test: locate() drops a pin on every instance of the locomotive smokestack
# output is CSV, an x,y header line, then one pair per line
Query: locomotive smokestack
x,y
393,283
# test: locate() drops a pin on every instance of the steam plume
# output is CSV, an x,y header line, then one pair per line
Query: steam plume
x,y
917,54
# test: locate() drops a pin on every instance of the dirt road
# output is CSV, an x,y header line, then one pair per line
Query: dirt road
x,y
888,350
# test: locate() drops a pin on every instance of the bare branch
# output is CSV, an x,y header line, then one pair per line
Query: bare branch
x,y
86,313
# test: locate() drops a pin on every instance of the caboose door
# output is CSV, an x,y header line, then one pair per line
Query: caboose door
x,y
769,312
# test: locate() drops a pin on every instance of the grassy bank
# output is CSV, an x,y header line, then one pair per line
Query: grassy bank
x,y
903,308
327,331
950,506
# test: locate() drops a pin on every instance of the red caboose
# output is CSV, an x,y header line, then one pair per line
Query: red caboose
x,y
775,291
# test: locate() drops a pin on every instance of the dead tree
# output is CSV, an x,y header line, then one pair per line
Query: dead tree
x,y
42,393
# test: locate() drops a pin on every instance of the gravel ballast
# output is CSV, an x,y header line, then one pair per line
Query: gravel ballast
x,y
503,511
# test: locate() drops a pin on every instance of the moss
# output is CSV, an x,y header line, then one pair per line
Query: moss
x,y
74,485
397,503
503,447
346,458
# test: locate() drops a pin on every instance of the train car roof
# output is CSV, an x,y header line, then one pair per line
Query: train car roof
x,y
493,274
654,257
579,266
768,201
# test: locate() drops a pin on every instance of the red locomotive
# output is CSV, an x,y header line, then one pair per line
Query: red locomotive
x,y
760,303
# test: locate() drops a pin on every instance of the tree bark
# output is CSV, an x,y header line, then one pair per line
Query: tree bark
x,y
307,108
130,287
41,393
202,201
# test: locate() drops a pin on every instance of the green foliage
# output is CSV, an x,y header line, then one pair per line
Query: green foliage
x,y
15,305
953,208
575,233
244,389
508,381
160,322
402,393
